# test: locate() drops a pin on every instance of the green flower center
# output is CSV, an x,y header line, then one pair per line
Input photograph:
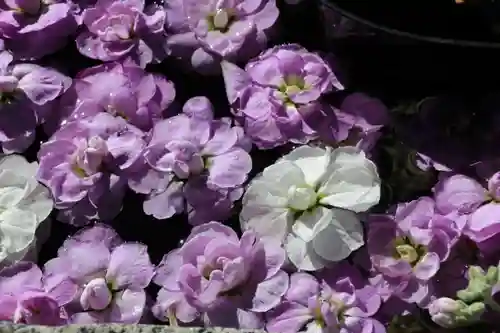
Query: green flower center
x,y
292,84
407,250
221,20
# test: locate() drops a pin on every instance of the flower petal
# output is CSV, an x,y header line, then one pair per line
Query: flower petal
x,y
302,255
313,161
130,267
342,236
352,183
127,307
269,292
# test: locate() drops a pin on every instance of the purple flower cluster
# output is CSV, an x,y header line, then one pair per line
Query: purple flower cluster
x,y
193,163
206,32
109,280
117,142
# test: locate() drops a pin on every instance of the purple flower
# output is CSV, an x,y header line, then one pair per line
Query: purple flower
x,y
27,97
276,97
84,164
196,160
110,276
121,89
205,32
470,201
360,119
32,29
117,30
409,247
28,298
220,279
335,302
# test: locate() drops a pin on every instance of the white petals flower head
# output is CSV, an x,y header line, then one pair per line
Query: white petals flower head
x,y
309,199
24,204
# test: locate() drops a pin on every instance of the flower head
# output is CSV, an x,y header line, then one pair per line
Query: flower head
x,y
25,204
217,275
27,97
450,313
308,200
474,205
205,32
116,30
32,29
27,297
278,96
335,302
409,247
196,158
121,89
360,119
110,276
84,166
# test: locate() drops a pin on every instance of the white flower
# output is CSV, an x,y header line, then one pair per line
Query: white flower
x,y
308,201
24,204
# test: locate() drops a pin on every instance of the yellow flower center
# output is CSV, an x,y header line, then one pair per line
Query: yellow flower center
x,y
407,250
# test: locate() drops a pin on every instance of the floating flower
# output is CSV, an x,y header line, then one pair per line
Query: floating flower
x,y
360,119
121,89
409,247
28,93
331,304
308,200
116,30
205,32
28,298
226,281
35,28
109,275
84,166
277,96
25,204
467,199
194,158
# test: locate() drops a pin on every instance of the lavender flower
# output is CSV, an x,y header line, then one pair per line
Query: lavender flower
x,y
121,89
220,279
119,29
335,302
34,28
84,166
409,247
194,158
277,96
205,32
110,276
477,206
26,297
28,94
360,119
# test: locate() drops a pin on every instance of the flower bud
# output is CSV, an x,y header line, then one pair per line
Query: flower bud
x,y
96,295
450,313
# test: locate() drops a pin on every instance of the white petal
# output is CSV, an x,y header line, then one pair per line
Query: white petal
x,y
342,236
261,192
310,223
17,231
266,221
39,202
19,164
302,255
283,175
313,161
353,182
13,188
